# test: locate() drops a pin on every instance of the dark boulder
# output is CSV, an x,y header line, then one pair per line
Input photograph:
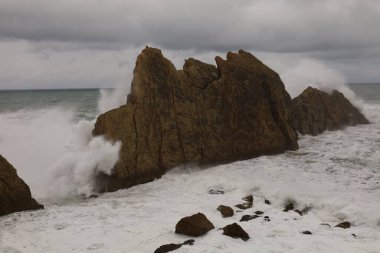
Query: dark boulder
x,y
15,195
248,217
244,205
194,225
226,211
203,114
315,111
344,225
248,198
235,231
168,247
172,246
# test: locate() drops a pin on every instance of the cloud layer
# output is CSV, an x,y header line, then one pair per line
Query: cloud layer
x,y
93,43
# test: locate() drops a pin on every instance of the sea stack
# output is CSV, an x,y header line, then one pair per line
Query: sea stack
x,y
203,114
315,111
15,195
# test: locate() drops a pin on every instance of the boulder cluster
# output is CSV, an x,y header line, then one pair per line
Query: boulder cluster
x,y
198,225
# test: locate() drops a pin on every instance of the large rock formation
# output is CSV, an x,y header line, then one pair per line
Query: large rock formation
x,y
14,193
201,114
315,111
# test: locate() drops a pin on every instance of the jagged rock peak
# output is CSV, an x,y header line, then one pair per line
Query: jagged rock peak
x,y
201,114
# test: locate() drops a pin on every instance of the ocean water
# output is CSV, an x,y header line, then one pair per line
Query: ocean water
x,y
82,101
46,135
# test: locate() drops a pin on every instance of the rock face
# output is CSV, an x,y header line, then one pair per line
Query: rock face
x,y
201,114
315,111
194,225
15,195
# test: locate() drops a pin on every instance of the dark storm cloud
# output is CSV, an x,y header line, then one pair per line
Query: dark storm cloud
x,y
281,26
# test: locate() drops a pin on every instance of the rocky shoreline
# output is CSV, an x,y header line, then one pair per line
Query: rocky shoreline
x,y
198,224
204,115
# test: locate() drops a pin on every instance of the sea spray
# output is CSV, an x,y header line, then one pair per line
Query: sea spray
x,y
112,98
54,151
33,140
74,173
311,72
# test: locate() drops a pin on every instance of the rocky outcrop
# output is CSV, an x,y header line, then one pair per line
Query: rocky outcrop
x,y
194,225
15,195
315,111
201,114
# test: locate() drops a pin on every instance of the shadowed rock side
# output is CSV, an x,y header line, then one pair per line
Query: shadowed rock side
x,y
15,195
202,114
315,111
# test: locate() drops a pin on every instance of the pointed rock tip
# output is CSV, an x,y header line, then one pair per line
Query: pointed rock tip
x,y
231,55
190,61
151,51
219,61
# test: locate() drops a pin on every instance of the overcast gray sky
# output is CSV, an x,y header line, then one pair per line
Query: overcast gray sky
x,y
94,43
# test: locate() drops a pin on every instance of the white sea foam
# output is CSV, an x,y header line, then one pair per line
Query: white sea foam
x,y
74,173
55,155
336,173
113,98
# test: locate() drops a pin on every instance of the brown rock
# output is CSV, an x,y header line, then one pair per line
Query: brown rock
x,y
188,242
167,248
315,111
172,246
248,198
202,114
226,211
235,231
344,225
15,195
244,205
194,225
248,217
